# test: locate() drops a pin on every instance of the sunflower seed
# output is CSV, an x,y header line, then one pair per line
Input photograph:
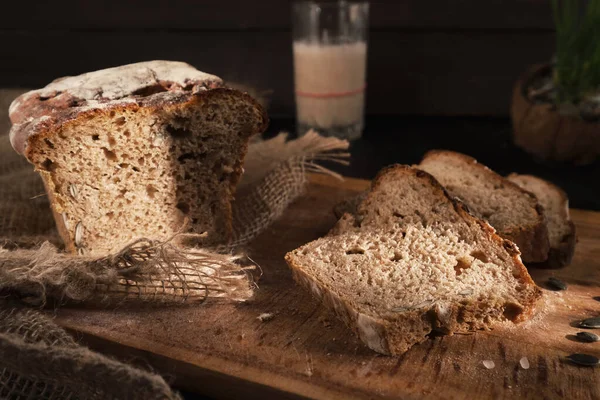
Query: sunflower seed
x,y
73,191
587,337
524,363
158,139
424,304
265,317
466,292
80,251
489,364
590,323
65,221
585,360
557,283
78,234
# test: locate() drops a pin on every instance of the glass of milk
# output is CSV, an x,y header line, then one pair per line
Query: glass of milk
x,y
330,60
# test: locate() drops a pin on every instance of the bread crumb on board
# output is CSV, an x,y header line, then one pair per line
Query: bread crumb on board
x,y
265,317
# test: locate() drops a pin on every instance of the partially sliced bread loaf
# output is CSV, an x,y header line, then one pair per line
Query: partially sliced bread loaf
x,y
136,150
513,212
413,261
561,230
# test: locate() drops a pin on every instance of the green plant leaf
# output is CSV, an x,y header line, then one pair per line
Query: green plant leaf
x,y
577,68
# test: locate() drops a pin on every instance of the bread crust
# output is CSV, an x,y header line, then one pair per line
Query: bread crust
x,y
561,255
63,231
22,134
152,83
388,336
371,331
532,240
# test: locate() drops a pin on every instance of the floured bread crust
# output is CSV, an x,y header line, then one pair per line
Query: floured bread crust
x,y
167,82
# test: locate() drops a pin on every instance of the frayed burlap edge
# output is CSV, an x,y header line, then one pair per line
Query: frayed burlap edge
x,y
263,198
146,271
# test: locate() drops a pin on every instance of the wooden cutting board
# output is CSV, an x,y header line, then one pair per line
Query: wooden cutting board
x,y
223,350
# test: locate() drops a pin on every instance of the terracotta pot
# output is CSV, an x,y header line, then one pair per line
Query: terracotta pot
x,y
540,130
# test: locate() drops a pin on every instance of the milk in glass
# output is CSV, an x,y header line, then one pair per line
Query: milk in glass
x,y
330,87
330,57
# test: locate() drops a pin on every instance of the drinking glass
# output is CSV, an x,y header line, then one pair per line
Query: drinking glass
x,y
330,61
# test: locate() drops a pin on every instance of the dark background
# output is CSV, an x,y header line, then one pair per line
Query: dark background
x,y
440,73
425,57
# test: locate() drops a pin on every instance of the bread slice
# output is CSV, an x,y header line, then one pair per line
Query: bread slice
x,y
561,230
413,261
513,212
136,150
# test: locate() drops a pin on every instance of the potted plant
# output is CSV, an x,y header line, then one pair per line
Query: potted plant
x,y
556,106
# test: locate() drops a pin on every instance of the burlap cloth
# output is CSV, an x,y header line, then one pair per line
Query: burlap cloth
x,y
38,359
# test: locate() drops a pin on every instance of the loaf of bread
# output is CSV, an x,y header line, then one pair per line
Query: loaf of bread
x,y
561,230
137,150
515,213
412,260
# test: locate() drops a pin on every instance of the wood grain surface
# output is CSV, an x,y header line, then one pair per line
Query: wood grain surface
x,y
223,350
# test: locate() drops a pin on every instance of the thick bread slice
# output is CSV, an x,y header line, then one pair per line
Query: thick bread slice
x,y
413,261
514,212
561,230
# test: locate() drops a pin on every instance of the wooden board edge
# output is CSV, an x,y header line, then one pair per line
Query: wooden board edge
x,y
355,184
